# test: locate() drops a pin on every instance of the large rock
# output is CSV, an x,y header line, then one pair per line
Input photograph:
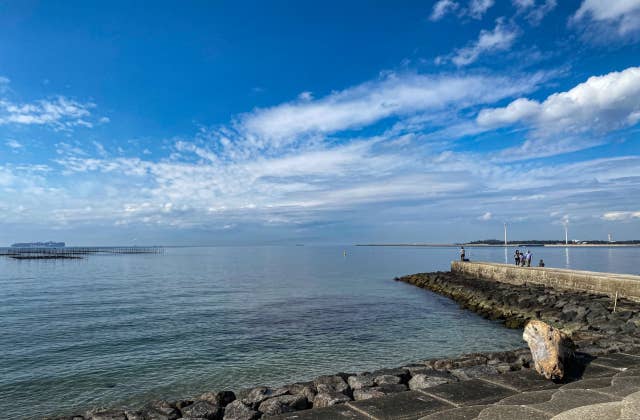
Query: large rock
x,y
160,410
203,409
401,373
237,410
283,404
551,349
106,415
387,379
333,382
423,380
327,397
306,389
360,381
253,397
221,398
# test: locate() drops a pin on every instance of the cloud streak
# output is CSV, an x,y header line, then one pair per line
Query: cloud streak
x,y
365,104
500,38
59,113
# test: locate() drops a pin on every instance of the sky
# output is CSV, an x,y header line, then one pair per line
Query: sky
x,y
335,122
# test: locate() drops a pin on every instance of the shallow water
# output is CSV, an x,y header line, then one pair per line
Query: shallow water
x,y
116,329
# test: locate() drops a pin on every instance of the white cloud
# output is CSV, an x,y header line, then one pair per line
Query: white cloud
x,y
533,12
501,38
225,177
305,96
485,217
538,13
621,215
14,144
523,4
600,104
59,112
477,8
623,16
393,96
441,8
568,121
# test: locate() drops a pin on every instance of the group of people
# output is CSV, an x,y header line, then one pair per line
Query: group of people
x,y
524,258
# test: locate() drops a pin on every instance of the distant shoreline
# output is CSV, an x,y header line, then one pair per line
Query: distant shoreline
x,y
509,245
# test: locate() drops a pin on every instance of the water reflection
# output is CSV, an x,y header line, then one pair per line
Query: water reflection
x,y
566,257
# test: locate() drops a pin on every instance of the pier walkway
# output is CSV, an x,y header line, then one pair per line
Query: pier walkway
x,y
610,284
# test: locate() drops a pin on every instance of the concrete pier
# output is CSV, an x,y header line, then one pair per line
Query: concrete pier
x,y
625,285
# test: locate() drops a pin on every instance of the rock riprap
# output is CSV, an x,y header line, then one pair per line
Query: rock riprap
x,y
550,348
587,318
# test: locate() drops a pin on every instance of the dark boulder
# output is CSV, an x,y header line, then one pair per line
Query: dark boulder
x,y
107,415
363,380
237,410
160,410
221,398
283,404
254,396
333,383
327,397
203,409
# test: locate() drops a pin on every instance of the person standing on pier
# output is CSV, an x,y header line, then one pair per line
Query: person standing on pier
x,y
516,257
461,253
529,255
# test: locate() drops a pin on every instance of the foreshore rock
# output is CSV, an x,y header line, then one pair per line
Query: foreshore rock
x,y
550,348
237,410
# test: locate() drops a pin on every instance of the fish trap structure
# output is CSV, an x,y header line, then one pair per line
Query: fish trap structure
x,y
37,253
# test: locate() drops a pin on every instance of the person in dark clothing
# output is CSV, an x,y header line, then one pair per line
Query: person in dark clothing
x,y
516,256
461,253
541,263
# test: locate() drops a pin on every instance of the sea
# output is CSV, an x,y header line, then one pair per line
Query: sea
x,y
112,330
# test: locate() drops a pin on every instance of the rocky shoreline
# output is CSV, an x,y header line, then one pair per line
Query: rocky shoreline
x,y
587,318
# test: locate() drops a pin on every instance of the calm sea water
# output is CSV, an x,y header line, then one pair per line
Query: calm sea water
x,y
121,329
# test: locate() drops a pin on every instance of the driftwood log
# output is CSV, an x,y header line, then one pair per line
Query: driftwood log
x,y
551,349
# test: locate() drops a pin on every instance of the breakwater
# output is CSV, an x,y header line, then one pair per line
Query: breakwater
x,y
611,284
588,318
434,385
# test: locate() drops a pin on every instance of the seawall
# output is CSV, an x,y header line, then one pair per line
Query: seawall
x,y
625,285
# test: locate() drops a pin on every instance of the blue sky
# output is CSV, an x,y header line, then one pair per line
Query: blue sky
x,y
318,122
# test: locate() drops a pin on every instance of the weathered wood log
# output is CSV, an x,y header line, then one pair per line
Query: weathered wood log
x,y
551,349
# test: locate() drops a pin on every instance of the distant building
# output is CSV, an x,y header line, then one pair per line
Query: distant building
x,y
39,245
